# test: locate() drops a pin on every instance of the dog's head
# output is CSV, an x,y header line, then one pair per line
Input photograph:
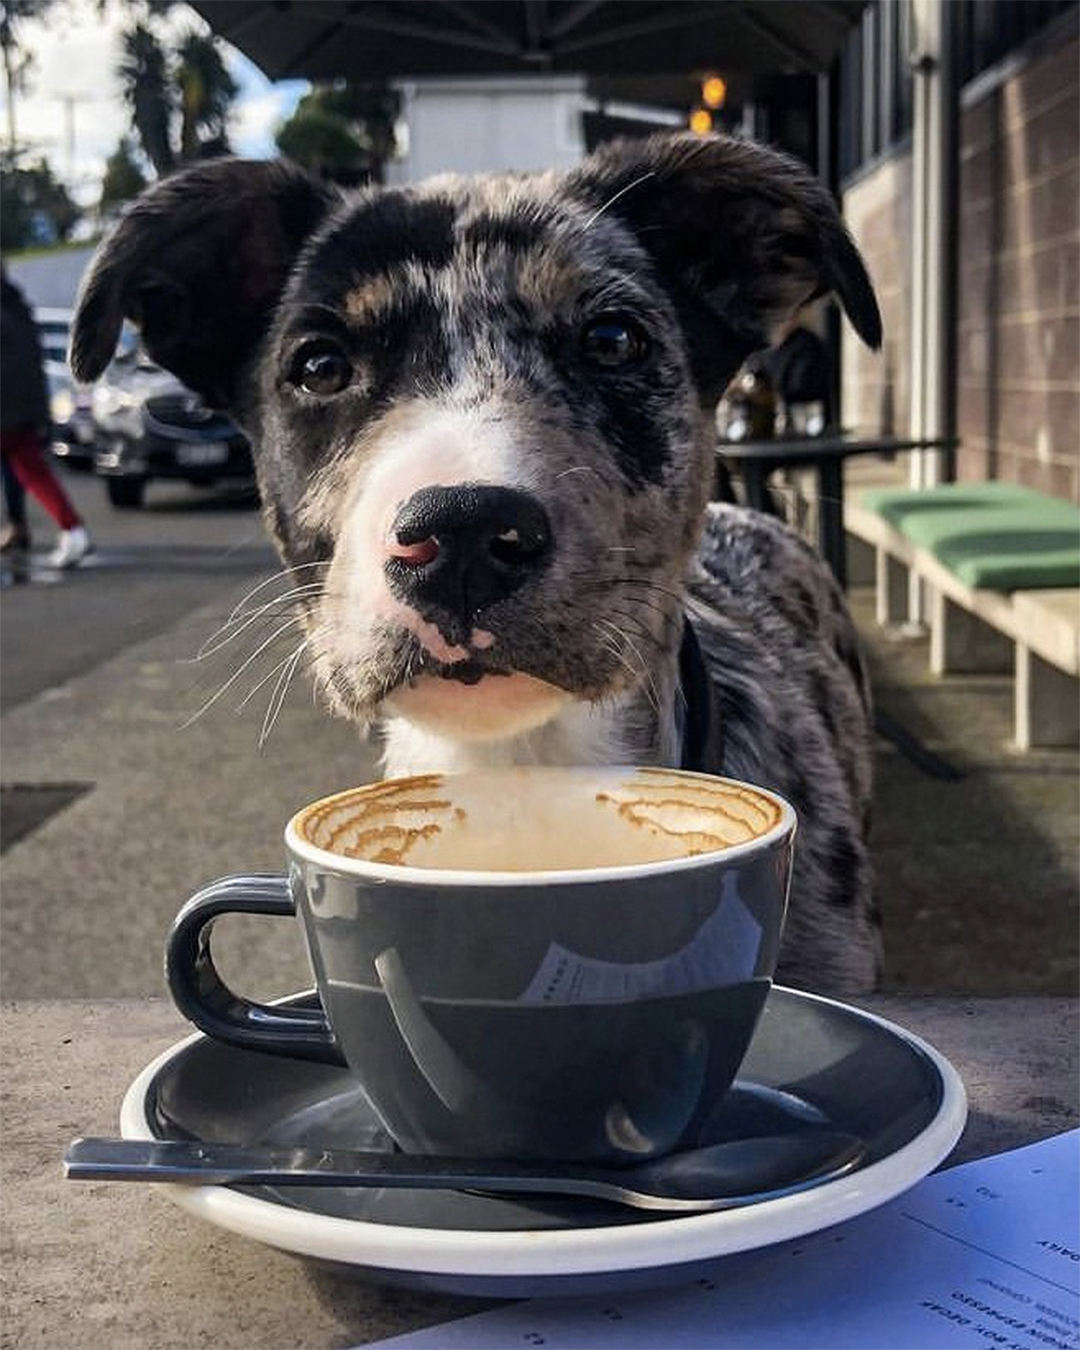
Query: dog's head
x,y
476,405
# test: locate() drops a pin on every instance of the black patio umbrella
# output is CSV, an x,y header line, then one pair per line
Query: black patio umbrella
x,y
369,40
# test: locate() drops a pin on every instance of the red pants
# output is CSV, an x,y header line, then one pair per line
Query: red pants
x,y
21,447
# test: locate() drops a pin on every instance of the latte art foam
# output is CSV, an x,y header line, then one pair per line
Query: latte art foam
x,y
538,819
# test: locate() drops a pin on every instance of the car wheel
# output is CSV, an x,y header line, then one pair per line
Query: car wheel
x,y
125,492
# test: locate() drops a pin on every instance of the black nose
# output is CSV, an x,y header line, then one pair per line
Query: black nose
x,y
453,551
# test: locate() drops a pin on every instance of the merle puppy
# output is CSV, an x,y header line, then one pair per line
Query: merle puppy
x,y
481,411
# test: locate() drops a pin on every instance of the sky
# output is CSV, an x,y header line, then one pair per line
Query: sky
x,y
73,115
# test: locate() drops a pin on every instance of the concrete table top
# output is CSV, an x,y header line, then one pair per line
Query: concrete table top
x,y
97,1266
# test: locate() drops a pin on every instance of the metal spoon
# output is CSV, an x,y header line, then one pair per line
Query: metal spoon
x,y
720,1176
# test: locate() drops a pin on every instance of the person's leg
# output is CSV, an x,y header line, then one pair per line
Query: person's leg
x,y
22,449
16,533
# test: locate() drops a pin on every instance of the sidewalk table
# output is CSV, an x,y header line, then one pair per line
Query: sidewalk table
x,y
825,454
102,1266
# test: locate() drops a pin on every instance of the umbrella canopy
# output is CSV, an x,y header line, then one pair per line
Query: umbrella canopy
x,y
368,40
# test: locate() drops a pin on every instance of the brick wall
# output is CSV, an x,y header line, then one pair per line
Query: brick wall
x,y
1018,334
1018,321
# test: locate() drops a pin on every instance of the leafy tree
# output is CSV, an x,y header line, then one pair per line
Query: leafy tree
x,y
343,131
35,207
373,111
123,178
323,143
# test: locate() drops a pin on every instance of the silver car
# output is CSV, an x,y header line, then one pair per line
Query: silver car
x,y
148,425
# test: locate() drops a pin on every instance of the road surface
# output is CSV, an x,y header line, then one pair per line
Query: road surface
x,y
149,568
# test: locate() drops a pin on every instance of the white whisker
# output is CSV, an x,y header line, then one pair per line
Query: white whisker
x,y
222,638
621,193
284,574
641,671
274,670
278,632
281,689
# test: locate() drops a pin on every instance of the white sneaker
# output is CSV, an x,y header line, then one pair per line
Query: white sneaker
x,y
71,548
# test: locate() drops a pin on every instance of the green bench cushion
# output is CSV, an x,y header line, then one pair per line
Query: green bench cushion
x,y
993,536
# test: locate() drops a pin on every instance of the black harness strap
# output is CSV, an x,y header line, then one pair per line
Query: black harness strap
x,y
700,715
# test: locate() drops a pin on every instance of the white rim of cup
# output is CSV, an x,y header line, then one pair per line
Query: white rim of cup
x,y
460,876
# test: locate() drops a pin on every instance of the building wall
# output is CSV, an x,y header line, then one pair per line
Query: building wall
x,y
1018,319
1018,348
874,385
484,126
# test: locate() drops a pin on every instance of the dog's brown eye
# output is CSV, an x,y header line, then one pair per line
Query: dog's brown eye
x,y
612,341
321,368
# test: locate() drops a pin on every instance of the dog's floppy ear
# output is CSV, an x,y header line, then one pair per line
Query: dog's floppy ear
x,y
198,263
743,235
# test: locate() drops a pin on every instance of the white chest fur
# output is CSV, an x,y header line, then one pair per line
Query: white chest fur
x,y
580,734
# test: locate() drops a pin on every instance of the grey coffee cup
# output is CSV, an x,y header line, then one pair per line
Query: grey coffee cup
x,y
528,962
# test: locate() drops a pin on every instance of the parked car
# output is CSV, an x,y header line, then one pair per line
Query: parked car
x,y
69,400
148,425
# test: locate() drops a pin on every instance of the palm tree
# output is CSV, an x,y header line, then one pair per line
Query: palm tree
x,y
144,73
206,94
183,92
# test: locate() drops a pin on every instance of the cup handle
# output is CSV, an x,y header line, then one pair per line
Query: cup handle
x,y
205,999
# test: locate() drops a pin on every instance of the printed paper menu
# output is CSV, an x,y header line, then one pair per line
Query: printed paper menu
x,y
986,1254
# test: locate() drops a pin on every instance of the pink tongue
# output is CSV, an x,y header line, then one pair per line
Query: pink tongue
x,y
414,555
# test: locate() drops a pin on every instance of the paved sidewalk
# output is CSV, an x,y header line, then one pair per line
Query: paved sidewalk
x,y
89,895
978,875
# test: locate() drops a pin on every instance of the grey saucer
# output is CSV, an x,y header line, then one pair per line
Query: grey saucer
x,y
813,1064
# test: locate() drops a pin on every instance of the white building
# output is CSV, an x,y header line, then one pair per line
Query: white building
x,y
476,126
